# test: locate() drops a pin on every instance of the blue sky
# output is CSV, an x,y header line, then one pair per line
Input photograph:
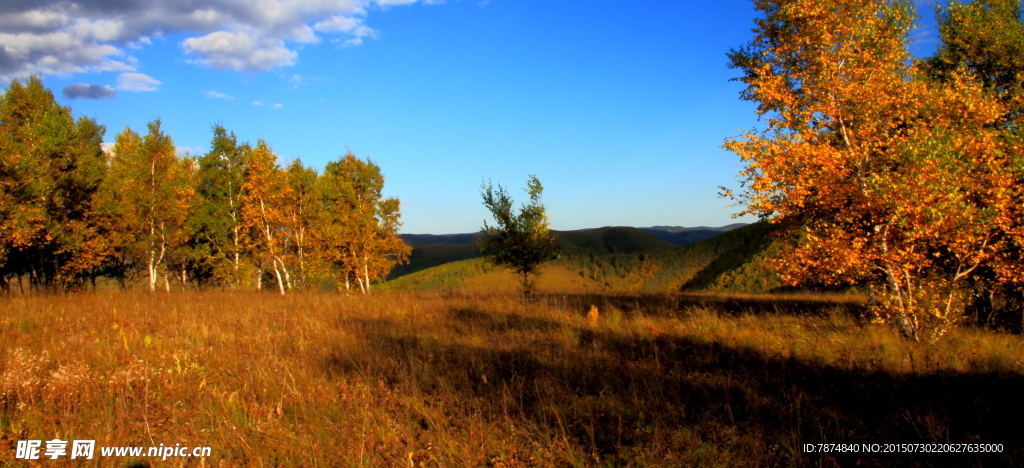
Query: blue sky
x,y
619,107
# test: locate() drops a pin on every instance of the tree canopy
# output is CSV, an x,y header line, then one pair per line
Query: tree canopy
x,y
233,217
522,242
883,170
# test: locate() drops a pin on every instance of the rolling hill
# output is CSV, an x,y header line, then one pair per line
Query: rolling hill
x,y
431,250
626,259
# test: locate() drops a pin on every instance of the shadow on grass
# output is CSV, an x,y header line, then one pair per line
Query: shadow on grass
x,y
660,304
615,395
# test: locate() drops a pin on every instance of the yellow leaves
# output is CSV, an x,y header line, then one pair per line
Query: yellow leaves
x,y
858,140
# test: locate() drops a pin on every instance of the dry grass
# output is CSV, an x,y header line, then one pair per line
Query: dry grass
x,y
476,380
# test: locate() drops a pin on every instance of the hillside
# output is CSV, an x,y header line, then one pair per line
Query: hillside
x,y
618,259
426,256
732,261
431,250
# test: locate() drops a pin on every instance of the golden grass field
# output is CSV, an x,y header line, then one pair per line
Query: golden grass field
x,y
474,380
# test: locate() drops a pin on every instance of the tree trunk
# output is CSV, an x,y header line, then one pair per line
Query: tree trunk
x,y
277,274
287,275
151,267
366,275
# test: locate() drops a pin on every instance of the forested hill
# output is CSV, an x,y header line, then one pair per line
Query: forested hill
x,y
735,260
430,250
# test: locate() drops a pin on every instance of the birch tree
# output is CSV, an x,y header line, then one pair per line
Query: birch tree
x,y
149,191
522,242
266,193
880,176
359,236
302,212
218,236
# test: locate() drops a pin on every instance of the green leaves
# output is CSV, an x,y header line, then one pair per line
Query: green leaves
x,y
70,212
359,237
522,242
148,196
50,167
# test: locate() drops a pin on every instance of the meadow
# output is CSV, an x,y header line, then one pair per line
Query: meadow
x,y
474,379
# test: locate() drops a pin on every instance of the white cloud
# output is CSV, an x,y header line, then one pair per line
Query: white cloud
x,y
338,24
60,37
137,82
257,103
239,51
217,95
277,106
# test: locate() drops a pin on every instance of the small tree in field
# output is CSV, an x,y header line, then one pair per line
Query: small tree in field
x,y
522,242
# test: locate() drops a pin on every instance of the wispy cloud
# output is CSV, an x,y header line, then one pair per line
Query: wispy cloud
x,y
137,82
257,103
217,95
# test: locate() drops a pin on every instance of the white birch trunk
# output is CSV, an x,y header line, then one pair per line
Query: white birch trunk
x,y
277,274
366,275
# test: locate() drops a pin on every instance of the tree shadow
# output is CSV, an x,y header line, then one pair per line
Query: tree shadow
x,y
675,305
610,391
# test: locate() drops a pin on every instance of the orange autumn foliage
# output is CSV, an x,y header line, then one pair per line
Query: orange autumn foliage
x,y
881,176
266,193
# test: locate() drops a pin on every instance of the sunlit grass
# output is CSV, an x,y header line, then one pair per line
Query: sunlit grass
x,y
488,380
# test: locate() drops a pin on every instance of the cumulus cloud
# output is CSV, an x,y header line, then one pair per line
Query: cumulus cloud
x,y
239,51
60,37
136,82
353,26
84,91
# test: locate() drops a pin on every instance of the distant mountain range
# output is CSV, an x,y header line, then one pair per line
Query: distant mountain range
x,y
675,229
672,234
677,235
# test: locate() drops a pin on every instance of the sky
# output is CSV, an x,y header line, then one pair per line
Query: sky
x,y
619,107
